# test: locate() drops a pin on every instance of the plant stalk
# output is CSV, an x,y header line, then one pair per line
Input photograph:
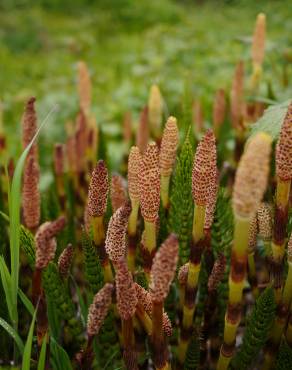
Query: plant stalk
x,y
197,246
236,284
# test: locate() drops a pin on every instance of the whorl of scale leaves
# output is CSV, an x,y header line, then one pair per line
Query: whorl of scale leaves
x,y
181,203
284,358
193,353
58,293
93,269
257,330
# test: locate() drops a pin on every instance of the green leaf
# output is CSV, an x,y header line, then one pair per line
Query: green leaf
x,y
42,358
60,358
93,269
257,330
28,344
83,307
193,353
14,213
58,294
271,121
53,317
27,303
181,201
6,282
284,357
13,334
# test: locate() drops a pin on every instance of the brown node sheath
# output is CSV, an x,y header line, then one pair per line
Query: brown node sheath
x,y
238,267
233,313
281,218
196,251
147,257
190,296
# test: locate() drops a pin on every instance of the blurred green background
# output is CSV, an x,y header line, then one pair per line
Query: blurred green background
x,y
128,45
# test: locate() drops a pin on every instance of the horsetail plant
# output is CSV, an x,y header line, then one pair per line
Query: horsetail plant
x,y
97,201
155,112
126,304
282,313
162,273
219,111
143,131
284,176
45,251
84,87
265,225
60,170
186,301
257,329
252,243
133,189
203,177
118,192
149,195
115,243
258,50
96,315
250,184
65,261
31,195
181,203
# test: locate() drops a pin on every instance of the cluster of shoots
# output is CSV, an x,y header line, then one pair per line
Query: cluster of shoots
x,y
117,262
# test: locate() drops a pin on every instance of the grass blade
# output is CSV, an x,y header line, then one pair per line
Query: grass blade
x,y
27,303
83,307
28,344
42,358
14,214
13,334
60,357
6,282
